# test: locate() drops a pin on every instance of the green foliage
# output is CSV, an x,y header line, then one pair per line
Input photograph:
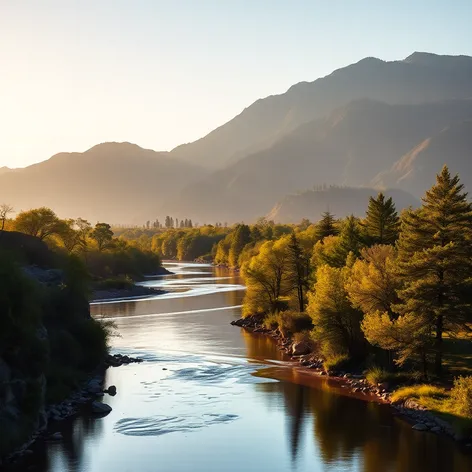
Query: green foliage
x,y
241,237
435,261
326,226
382,222
461,394
102,235
337,323
335,362
40,222
289,323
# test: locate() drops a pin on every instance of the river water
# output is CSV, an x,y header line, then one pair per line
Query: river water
x,y
212,397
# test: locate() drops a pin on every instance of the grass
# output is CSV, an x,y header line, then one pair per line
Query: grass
x,y
288,322
438,400
376,375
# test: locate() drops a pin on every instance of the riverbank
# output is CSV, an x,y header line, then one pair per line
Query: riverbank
x,y
86,399
118,293
355,383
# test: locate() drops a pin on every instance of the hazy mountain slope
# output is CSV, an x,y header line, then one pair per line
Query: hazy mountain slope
x,y
421,77
351,147
114,182
417,169
342,201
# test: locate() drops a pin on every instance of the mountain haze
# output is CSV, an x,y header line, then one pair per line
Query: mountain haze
x,y
349,147
113,182
421,77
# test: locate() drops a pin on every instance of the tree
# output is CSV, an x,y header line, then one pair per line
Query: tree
x,y
241,237
298,265
381,221
373,283
326,226
5,210
337,323
266,279
408,335
102,235
435,261
350,241
40,222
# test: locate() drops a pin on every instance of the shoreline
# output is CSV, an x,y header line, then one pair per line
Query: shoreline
x,y
357,385
117,294
85,399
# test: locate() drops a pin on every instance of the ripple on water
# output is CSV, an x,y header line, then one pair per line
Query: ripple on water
x,y
159,425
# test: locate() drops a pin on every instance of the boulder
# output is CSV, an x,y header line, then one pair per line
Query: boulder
x,y
420,427
101,409
300,349
436,429
111,390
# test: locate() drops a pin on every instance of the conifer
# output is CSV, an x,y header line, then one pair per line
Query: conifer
x,y
435,261
381,221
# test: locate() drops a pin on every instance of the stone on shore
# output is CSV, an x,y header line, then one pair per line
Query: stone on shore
x,y
420,427
101,409
300,349
111,390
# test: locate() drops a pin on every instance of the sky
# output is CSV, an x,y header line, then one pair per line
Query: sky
x,y
160,73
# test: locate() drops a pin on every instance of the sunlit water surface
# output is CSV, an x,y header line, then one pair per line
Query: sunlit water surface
x,y
211,397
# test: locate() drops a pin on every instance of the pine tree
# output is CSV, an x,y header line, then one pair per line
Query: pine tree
x,y
326,226
435,260
381,221
298,264
350,240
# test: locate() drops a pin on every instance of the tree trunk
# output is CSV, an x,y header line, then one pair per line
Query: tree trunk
x,y
438,345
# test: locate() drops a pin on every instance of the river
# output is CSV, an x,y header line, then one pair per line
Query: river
x,y
212,397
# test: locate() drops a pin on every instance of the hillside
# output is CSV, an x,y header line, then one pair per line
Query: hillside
x,y
420,78
350,147
114,182
417,168
342,201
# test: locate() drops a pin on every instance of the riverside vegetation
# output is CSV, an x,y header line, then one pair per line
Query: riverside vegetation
x,y
388,295
49,344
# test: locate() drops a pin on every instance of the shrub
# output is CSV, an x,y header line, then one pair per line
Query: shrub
x,y
461,394
293,322
377,375
271,321
335,362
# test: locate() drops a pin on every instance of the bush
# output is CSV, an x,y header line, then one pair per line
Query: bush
x,y
335,362
377,375
271,321
461,394
292,322
114,283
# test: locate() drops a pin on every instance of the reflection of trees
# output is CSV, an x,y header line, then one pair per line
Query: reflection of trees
x,y
359,435
260,346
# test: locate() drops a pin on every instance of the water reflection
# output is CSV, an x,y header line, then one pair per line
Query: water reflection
x,y
213,397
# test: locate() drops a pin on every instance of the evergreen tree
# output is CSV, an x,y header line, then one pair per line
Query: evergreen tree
x,y
298,263
381,221
326,226
350,241
435,260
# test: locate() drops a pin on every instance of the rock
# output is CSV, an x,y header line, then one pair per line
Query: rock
x,y
420,427
300,349
56,436
111,390
101,408
94,386
436,429
383,385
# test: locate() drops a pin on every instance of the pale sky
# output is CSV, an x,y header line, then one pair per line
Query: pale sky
x,y
159,73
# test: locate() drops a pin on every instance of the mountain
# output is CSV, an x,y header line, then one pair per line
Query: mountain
x,y
342,201
350,147
113,182
420,78
417,169
4,170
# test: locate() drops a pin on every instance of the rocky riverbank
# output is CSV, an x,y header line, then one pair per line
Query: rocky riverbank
x,y
132,292
87,400
418,416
